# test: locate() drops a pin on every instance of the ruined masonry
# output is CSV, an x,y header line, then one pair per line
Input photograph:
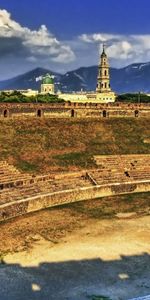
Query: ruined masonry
x,y
21,193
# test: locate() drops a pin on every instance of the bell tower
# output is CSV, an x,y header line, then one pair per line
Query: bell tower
x,y
103,79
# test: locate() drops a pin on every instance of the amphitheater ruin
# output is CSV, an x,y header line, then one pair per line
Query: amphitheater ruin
x,y
78,110
21,193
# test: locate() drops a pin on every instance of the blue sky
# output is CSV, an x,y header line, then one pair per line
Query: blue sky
x,y
72,33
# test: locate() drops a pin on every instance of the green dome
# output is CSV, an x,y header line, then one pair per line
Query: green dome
x,y
47,79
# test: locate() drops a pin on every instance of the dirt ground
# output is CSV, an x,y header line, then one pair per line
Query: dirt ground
x,y
78,252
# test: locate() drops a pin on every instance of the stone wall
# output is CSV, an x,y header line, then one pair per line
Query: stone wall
x,y
39,202
67,110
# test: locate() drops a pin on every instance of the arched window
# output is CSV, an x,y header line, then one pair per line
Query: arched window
x,y
104,113
4,215
72,113
136,113
39,113
5,113
105,85
105,73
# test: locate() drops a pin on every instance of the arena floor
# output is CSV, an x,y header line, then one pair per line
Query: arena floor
x,y
108,258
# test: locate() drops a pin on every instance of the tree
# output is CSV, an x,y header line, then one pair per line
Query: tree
x,y
17,97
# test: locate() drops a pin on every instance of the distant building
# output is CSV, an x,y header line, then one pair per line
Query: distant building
x,y
103,89
103,93
28,92
103,78
47,86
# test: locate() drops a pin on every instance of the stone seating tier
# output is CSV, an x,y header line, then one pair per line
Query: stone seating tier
x,y
26,191
15,185
122,161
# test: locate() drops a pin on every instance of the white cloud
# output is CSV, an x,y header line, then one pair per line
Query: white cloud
x,y
123,49
95,37
31,43
22,49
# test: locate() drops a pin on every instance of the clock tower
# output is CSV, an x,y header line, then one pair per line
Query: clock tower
x,y
103,79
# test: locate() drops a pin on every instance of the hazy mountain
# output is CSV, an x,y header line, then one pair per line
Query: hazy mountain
x,y
27,80
133,78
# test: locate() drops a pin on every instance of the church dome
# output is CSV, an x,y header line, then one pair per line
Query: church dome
x,y
47,79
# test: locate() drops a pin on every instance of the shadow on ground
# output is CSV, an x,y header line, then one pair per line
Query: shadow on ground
x,y
124,278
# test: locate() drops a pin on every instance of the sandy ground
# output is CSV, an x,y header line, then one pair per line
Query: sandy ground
x,y
106,257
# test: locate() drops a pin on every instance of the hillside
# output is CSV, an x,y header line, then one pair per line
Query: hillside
x,y
26,80
45,145
133,78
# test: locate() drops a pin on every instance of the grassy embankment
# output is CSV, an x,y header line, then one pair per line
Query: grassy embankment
x,y
43,145
56,223
39,145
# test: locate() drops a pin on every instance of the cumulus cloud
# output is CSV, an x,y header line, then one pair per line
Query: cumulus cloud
x,y
123,49
22,49
40,45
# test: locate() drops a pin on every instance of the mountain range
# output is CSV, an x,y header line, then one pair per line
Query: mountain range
x,y
133,78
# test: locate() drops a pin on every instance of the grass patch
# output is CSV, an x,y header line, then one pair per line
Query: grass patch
x,y
27,166
81,159
65,144
109,207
